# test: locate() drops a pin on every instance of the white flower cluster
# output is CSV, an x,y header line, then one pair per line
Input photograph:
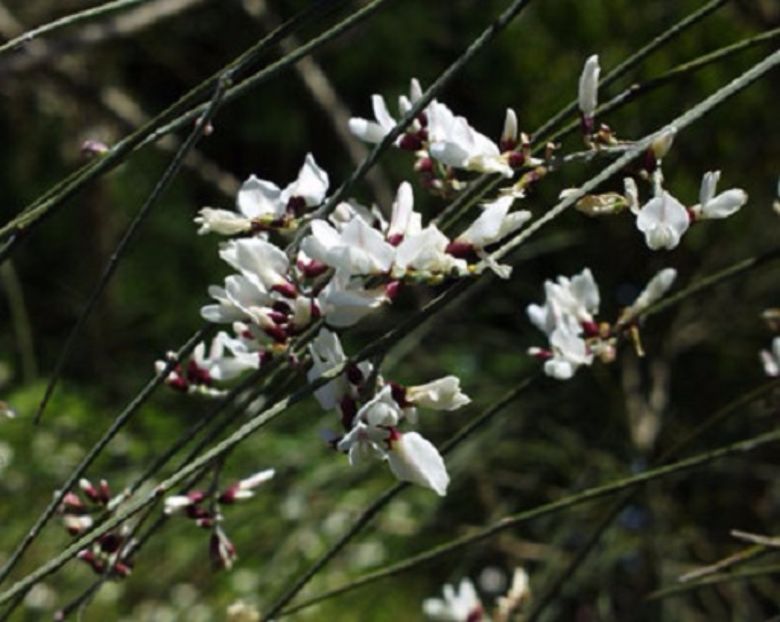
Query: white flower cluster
x,y
350,263
567,317
372,422
445,143
462,604
663,219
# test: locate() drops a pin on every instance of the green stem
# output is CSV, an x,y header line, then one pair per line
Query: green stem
x,y
79,471
180,114
69,20
514,520
160,187
679,590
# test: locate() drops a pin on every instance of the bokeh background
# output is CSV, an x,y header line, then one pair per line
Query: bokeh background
x,y
559,438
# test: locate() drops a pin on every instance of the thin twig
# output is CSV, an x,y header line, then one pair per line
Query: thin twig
x,y
183,113
135,225
70,20
749,573
79,471
632,61
513,520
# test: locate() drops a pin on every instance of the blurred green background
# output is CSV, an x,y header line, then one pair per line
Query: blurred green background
x,y
559,438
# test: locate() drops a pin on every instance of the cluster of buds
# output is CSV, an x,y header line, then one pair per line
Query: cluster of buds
x,y
575,336
445,143
463,604
373,411
109,554
204,508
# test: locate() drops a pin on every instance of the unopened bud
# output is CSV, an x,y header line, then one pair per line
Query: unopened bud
x,y
663,143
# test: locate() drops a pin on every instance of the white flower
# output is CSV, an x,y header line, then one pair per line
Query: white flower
x,y
373,131
577,297
221,221
363,442
663,220
441,394
414,459
326,353
404,221
240,299
217,365
259,200
589,86
655,289
721,206
426,251
494,223
771,360
462,605
310,186
519,593
356,249
569,350
455,143
381,410
345,302
264,264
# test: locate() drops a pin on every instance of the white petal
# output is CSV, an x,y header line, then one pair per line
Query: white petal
x,y
258,197
725,204
589,86
414,459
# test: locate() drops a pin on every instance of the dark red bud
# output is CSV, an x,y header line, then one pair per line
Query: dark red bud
x,y
110,542
73,503
507,145
395,239
122,569
296,206
354,375
399,394
591,329
516,159
197,374
460,250
229,495
312,269
277,317
543,355
392,289
277,333
424,165
587,124
286,289
410,142
649,161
